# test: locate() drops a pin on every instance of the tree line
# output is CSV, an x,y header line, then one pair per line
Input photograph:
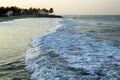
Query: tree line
x,y
20,11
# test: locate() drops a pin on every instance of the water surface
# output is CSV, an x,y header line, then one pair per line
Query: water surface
x,y
76,51
101,26
15,36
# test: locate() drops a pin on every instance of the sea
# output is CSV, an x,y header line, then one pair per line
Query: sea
x,y
76,47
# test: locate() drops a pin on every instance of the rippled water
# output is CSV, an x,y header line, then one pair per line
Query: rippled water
x,y
75,52
106,27
81,47
16,35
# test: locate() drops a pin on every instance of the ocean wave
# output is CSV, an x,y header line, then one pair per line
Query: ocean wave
x,y
65,55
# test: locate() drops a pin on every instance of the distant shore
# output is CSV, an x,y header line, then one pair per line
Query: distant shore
x,y
50,16
28,16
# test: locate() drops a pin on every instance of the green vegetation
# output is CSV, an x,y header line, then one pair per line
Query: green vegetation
x,y
51,10
16,11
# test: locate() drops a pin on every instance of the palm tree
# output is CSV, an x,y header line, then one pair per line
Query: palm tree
x,y
44,9
51,10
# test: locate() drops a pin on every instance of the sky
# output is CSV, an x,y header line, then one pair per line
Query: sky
x,y
70,7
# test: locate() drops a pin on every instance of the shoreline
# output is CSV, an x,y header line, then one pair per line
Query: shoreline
x,y
2,19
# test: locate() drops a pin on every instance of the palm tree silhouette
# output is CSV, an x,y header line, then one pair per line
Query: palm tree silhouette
x,y
51,11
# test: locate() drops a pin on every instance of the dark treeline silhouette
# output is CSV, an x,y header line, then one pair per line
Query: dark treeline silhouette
x,y
16,11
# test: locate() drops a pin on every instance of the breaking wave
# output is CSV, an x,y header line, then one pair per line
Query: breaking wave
x,y
67,55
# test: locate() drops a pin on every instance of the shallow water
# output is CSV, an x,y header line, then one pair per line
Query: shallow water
x,y
16,35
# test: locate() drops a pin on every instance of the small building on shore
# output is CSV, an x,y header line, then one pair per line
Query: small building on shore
x,y
42,12
9,13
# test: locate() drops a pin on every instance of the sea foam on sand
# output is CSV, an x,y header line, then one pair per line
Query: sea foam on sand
x,y
66,55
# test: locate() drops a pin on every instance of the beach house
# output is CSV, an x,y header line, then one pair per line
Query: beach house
x,y
9,13
43,12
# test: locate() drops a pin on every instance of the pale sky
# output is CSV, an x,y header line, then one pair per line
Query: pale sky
x,y
71,7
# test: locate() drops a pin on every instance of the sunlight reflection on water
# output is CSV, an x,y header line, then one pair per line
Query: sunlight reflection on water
x,y
16,35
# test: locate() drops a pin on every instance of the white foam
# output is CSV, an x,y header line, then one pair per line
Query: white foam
x,y
77,51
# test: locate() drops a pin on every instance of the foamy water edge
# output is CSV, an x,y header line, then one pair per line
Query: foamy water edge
x,y
63,54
